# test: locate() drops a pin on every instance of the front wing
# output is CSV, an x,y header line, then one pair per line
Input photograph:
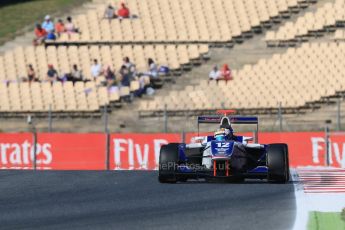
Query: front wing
x,y
260,172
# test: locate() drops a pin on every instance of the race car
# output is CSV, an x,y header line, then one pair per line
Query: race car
x,y
224,155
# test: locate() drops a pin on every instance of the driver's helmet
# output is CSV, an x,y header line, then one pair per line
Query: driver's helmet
x,y
221,134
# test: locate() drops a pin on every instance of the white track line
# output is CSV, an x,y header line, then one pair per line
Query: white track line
x,y
302,211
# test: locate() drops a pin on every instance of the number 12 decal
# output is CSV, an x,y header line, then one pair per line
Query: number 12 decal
x,y
223,145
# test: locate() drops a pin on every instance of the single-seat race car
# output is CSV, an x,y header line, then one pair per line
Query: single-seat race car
x,y
224,155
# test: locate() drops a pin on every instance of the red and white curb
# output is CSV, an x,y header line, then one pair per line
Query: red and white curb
x,y
322,180
317,189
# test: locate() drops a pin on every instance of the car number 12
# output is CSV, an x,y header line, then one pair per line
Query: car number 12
x,y
223,145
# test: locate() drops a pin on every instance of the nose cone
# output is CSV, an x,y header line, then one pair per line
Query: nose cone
x,y
222,149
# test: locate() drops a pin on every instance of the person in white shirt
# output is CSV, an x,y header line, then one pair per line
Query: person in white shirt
x,y
70,27
109,12
153,69
96,69
214,74
127,62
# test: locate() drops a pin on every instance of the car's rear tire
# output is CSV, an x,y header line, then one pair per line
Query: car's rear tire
x,y
168,160
278,163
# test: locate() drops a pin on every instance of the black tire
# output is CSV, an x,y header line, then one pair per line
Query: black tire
x,y
278,163
168,160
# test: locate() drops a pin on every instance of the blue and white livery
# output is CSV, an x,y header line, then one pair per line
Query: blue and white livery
x,y
224,155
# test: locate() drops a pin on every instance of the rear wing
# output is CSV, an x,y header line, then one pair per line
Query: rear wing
x,y
233,120
216,119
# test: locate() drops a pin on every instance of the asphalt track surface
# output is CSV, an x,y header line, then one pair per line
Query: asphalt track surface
x,y
135,200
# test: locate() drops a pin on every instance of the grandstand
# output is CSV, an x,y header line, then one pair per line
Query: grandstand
x,y
295,79
68,98
191,21
13,63
189,37
339,35
312,24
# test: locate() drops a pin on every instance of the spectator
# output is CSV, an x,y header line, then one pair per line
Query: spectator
x,y
144,83
96,69
109,13
60,27
41,35
110,77
70,27
153,70
75,75
214,74
123,12
226,73
31,74
125,78
127,62
133,72
50,36
48,25
52,74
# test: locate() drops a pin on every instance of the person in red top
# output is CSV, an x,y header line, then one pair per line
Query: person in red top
x,y
60,27
123,12
226,73
41,35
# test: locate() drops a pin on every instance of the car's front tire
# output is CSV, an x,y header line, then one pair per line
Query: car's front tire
x,y
168,160
278,163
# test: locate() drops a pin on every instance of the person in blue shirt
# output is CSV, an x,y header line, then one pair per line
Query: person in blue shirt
x,y
52,74
125,76
48,25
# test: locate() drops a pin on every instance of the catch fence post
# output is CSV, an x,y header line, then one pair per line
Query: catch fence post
x,y
107,157
165,118
107,136
33,130
183,137
106,120
35,149
280,117
50,121
327,156
338,115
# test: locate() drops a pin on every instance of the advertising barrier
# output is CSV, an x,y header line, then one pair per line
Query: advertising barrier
x,y
17,151
72,151
137,151
99,151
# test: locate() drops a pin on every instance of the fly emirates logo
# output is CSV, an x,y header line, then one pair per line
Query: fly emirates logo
x,y
22,154
336,152
136,154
